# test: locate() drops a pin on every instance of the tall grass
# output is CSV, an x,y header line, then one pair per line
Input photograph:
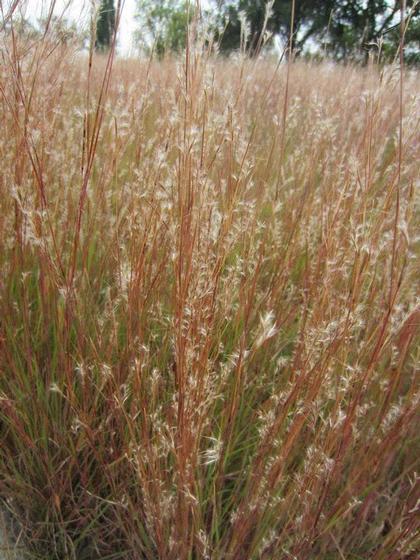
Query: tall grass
x,y
208,307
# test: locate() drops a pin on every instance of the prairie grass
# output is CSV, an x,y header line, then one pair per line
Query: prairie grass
x,y
208,307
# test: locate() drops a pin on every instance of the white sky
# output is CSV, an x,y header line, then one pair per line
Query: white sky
x,y
78,12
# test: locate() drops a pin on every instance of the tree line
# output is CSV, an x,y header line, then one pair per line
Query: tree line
x,y
339,29
334,29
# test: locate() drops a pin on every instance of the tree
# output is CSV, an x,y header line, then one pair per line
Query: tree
x,y
357,27
105,25
346,28
412,35
164,25
310,16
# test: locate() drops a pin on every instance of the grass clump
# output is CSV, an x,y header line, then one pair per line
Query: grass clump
x,y
208,307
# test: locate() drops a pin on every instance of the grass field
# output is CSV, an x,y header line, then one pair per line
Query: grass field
x,y
208,307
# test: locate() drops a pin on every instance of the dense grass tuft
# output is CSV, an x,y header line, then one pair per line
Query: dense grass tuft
x,y
208,311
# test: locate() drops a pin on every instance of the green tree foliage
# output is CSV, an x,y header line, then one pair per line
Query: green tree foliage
x,y
358,26
105,25
309,18
163,25
413,39
345,28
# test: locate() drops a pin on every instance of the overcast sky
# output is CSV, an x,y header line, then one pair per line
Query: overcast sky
x,y
78,11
